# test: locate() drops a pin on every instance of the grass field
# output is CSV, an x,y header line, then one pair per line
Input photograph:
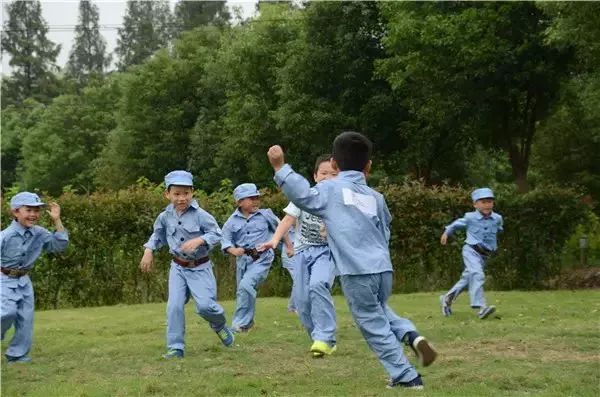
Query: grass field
x,y
541,344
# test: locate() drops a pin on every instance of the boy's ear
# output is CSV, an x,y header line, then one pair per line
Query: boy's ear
x,y
334,164
166,193
367,169
14,212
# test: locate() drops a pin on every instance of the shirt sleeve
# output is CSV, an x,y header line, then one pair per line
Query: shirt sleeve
x,y
292,210
460,223
227,236
500,223
386,219
272,219
158,239
55,242
298,191
212,232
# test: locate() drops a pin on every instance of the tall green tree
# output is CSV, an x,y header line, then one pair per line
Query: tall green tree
x,y
61,148
328,84
17,123
191,14
159,106
147,27
88,55
480,72
32,54
568,144
230,139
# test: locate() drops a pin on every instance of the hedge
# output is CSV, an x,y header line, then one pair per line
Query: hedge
x,y
107,231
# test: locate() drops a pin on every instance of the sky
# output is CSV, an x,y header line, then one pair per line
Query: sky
x,y
61,17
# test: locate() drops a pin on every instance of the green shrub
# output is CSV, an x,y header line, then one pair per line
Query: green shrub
x,y
107,231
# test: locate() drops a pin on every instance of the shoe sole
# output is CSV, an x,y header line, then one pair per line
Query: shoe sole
x,y
488,313
320,353
425,352
420,387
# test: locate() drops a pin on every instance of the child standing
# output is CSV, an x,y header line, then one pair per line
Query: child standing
x,y
190,233
482,225
245,228
22,243
314,273
357,221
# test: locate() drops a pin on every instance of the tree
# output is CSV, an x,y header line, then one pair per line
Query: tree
x,y
479,72
32,54
88,55
147,26
192,14
327,84
61,148
17,122
233,133
566,149
159,107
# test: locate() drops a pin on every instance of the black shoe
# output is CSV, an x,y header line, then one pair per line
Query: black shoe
x,y
415,384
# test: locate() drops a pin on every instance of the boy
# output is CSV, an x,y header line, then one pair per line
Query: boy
x,y
357,221
22,243
245,228
314,270
190,232
482,226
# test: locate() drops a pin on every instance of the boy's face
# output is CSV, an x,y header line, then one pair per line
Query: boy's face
x,y
485,205
325,171
249,205
180,196
27,216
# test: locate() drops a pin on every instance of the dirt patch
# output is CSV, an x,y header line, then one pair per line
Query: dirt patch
x,y
576,279
527,350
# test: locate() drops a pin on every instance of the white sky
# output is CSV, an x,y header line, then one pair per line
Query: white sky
x,y
61,17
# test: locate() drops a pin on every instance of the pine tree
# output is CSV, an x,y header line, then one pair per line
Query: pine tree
x,y
32,54
191,14
146,28
88,56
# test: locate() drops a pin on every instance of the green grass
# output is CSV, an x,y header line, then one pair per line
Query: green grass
x,y
543,344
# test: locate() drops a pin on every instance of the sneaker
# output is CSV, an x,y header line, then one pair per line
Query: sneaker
x,y
241,330
320,349
173,353
423,350
226,336
415,384
446,308
21,359
486,312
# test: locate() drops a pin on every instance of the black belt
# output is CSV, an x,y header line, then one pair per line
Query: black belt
x,y
481,250
190,264
253,253
11,272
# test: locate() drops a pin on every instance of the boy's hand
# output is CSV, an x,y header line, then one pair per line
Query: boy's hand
x,y
444,239
275,155
54,211
268,245
289,251
147,261
192,245
236,251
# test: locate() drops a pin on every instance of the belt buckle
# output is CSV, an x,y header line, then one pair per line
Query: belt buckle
x,y
14,273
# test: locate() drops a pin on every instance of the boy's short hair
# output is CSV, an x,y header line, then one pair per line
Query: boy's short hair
x,y
170,186
352,151
321,159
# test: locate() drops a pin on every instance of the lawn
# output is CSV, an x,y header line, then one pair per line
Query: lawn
x,y
540,344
